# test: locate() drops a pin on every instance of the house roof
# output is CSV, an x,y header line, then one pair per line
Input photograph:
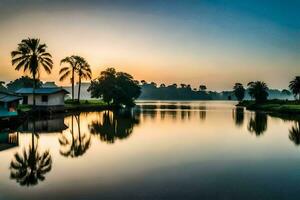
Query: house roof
x,y
6,97
52,90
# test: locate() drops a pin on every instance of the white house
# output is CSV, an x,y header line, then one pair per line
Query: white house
x,y
44,97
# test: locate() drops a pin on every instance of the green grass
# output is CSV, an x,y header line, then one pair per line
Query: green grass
x,y
84,104
24,108
279,106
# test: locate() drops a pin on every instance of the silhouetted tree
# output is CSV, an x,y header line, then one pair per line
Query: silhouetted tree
x,y
31,56
295,87
69,70
202,88
295,133
117,87
259,91
23,82
258,123
83,70
239,91
286,92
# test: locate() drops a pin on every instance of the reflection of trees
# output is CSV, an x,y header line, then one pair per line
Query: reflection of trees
x,y
295,133
30,166
77,145
202,112
238,116
258,123
113,126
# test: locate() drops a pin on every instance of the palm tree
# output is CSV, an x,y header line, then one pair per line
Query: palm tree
x,y
295,87
259,91
66,71
30,167
84,72
239,91
31,56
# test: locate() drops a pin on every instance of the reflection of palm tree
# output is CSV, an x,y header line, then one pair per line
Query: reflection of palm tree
x,y
78,145
258,124
113,126
30,167
238,116
295,133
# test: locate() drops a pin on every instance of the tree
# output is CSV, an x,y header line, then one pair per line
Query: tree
x,y
69,70
114,87
259,91
31,56
286,92
84,72
295,87
239,91
202,88
23,82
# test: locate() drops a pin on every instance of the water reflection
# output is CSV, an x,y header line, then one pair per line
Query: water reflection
x,y
8,139
294,133
238,116
30,166
55,124
77,144
258,123
114,126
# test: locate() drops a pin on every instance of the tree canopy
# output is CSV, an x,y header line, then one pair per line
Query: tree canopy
x,y
23,82
259,91
239,91
118,88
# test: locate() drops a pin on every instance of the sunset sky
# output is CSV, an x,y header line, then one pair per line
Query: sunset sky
x,y
212,42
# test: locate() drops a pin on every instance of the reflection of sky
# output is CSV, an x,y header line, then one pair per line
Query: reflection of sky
x,y
164,41
168,156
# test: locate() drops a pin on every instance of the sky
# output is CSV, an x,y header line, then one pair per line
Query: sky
x,y
211,42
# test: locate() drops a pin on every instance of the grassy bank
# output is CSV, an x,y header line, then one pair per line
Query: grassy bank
x,y
85,105
273,106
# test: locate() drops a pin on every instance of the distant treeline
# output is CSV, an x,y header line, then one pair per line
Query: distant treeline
x,y
150,91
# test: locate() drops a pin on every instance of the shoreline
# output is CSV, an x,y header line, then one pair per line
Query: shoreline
x,y
273,106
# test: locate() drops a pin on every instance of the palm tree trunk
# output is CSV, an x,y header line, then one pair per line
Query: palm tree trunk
x,y
73,71
79,87
33,91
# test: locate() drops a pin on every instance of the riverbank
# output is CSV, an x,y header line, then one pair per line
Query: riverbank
x,y
273,106
70,106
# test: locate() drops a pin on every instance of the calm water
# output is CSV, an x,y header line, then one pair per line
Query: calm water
x,y
160,150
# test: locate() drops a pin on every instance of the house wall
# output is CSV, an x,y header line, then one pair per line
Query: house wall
x,y
57,99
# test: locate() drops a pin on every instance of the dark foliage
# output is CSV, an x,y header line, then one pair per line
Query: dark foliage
x,y
23,82
118,88
239,91
259,91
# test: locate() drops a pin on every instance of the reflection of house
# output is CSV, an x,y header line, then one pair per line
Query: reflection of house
x,y
44,126
8,104
8,140
49,95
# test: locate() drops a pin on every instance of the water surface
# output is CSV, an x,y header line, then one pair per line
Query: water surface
x,y
159,150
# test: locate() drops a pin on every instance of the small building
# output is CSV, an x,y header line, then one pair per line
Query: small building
x,y
8,104
46,96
